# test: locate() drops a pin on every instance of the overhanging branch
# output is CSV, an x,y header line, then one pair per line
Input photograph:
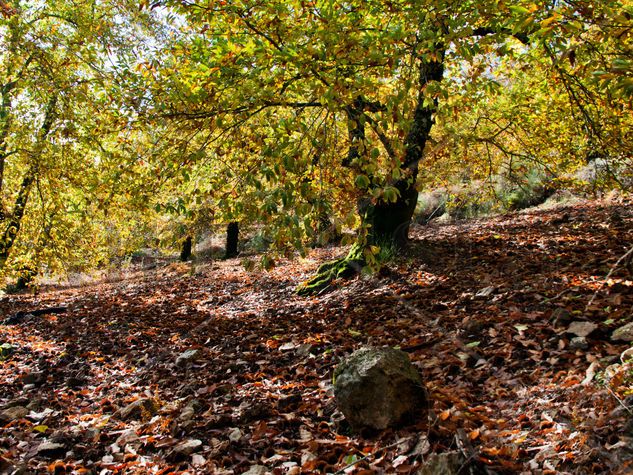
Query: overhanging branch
x,y
241,109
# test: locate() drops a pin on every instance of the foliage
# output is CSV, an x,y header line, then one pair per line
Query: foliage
x,y
124,123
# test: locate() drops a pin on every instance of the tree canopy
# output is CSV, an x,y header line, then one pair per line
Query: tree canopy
x,y
124,122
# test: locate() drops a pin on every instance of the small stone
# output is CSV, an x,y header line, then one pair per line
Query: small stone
x,y
581,328
304,349
257,470
485,292
188,411
34,377
140,409
578,343
288,346
13,413
447,463
51,450
561,317
624,333
187,446
187,357
235,435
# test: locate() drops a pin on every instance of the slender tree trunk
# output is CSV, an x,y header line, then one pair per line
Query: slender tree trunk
x,y
12,223
232,240
185,252
5,126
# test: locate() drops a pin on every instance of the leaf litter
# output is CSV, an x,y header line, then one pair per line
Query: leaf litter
x,y
213,369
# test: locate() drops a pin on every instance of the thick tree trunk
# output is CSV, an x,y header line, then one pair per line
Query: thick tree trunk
x,y
389,222
232,240
185,250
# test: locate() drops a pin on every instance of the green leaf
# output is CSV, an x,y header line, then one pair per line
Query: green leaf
x,y
362,182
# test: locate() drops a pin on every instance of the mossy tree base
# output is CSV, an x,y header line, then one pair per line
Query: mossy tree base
x,y
341,268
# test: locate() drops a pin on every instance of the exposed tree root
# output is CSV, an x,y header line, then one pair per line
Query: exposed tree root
x,y
338,269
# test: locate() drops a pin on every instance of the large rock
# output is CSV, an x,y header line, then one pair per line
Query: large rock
x,y
376,388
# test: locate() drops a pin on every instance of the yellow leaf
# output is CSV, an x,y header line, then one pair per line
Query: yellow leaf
x,y
548,21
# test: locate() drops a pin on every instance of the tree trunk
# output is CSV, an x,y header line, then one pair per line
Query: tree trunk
x,y
389,222
232,240
12,224
185,252
386,223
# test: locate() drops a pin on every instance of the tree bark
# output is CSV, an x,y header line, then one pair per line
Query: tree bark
x,y
185,252
14,221
232,240
389,222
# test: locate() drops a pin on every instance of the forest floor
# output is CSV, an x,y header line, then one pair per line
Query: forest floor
x,y
482,307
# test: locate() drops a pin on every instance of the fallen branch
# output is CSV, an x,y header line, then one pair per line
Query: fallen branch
x,y
19,316
557,296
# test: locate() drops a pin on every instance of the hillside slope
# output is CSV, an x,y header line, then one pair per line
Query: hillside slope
x,y
482,307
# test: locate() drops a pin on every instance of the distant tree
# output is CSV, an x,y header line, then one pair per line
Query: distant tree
x,y
232,240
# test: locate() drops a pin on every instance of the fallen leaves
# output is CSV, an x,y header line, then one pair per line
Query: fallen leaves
x,y
229,372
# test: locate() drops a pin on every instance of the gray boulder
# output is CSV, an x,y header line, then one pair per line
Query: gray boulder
x,y
376,388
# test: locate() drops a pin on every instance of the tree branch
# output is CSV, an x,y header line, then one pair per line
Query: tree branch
x,y
485,31
241,109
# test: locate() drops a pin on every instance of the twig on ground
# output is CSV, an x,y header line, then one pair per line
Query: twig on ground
x,y
19,316
557,296
620,401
